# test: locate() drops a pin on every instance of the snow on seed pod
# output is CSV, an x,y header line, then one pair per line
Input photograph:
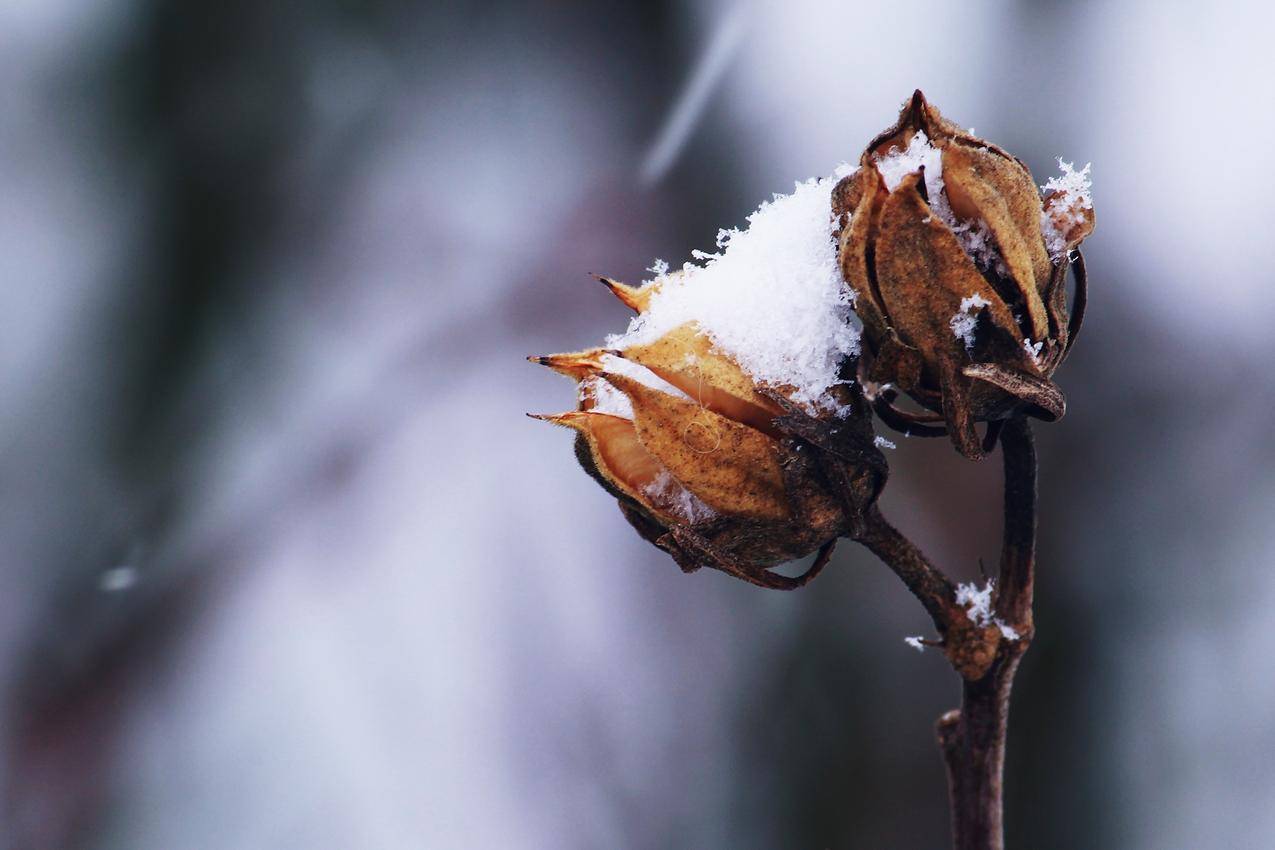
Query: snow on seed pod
x,y
958,269
725,420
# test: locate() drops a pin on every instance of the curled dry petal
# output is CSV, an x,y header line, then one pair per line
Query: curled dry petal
x,y
983,186
729,466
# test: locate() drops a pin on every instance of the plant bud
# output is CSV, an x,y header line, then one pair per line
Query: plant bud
x,y
708,464
958,269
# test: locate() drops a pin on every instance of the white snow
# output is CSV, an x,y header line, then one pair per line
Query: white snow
x,y
1075,194
898,163
1033,349
965,320
977,603
882,443
607,399
973,235
771,298
667,492
915,643
659,268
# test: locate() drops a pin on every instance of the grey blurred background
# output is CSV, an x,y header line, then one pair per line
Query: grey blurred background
x,y
285,566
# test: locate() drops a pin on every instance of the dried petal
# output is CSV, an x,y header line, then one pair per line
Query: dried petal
x,y
686,359
617,455
733,468
916,114
984,186
923,275
855,252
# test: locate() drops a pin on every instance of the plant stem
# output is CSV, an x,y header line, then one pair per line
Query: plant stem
x,y
972,739
927,582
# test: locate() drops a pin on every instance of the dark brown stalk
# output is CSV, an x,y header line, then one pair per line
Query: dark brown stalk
x,y
926,582
972,738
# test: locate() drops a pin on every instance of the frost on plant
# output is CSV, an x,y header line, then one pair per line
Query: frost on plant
x,y
977,603
921,156
965,320
1033,349
1071,195
663,488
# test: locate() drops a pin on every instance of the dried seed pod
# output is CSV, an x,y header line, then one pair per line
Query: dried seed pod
x,y
712,467
958,270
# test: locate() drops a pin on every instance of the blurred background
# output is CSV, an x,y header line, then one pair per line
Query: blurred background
x,y
284,565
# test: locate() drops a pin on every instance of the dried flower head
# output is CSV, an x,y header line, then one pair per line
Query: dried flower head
x,y
958,267
711,465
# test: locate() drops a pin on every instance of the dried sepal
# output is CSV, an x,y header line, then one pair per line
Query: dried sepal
x,y
732,468
1073,224
619,458
576,365
636,298
915,245
686,359
855,249
1000,192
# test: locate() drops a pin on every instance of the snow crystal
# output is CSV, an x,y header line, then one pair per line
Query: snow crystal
x,y
667,492
976,602
915,643
1075,194
1033,349
607,399
771,298
659,268
899,163
882,443
965,320
843,171
974,236
978,607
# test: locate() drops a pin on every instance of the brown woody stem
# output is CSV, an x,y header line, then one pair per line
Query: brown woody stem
x,y
901,555
972,738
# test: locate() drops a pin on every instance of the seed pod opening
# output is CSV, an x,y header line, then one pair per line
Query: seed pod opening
x,y
958,268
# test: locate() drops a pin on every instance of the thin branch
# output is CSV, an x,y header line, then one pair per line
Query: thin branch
x,y
927,582
973,739
1018,551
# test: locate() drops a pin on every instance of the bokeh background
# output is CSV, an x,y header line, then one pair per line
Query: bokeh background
x,y
284,565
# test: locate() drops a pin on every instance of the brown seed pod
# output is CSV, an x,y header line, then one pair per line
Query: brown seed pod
x,y
712,467
959,276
